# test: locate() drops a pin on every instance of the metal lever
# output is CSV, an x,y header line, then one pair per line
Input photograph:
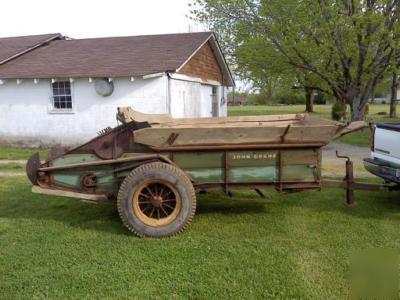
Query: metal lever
x,y
342,156
349,179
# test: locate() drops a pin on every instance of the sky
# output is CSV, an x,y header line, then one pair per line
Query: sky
x,y
95,18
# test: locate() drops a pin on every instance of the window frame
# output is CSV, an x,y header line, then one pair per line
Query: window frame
x,y
52,108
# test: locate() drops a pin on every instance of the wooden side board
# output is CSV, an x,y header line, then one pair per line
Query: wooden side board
x,y
161,137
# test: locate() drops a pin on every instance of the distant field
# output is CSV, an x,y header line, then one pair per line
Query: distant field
x,y
361,138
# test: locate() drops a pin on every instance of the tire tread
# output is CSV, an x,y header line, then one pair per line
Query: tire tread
x,y
124,191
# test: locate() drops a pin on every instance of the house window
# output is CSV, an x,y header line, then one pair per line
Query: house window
x,y
62,98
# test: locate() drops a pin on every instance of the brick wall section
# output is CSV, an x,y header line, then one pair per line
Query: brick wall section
x,y
204,65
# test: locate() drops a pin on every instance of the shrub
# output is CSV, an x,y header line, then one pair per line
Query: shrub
x,y
257,99
366,110
320,98
339,111
291,98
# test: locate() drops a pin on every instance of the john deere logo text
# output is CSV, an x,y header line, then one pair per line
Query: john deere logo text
x,y
245,156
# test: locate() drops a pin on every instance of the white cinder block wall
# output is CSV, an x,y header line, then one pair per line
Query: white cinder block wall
x,y
192,99
27,118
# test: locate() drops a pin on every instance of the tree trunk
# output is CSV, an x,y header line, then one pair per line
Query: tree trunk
x,y
357,114
309,99
357,107
393,96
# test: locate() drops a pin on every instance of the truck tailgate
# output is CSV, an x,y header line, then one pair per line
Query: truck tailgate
x,y
387,142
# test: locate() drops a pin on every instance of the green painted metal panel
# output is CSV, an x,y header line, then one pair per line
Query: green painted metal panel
x,y
199,160
253,174
206,175
67,179
252,158
70,159
252,166
207,167
202,166
299,173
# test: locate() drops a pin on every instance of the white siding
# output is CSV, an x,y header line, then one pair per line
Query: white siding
x,y
25,116
193,99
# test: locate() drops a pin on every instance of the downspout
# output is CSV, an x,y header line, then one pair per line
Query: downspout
x,y
168,93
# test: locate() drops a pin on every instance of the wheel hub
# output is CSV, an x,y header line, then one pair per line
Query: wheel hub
x,y
156,201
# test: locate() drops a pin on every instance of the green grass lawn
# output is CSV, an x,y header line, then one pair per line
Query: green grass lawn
x,y
292,246
361,138
12,153
12,167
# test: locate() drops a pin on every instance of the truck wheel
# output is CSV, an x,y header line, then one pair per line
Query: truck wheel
x,y
156,200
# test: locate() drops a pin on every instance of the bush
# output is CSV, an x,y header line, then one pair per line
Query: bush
x,y
339,111
366,110
319,98
257,99
291,98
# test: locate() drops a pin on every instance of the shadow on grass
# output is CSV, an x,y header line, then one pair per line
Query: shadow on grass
x,y
369,204
17,202
230,206
20,203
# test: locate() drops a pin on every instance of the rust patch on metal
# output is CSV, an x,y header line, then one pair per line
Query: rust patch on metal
x,y
56,152
32,166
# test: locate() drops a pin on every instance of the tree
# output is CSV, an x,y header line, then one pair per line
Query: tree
x,y
253,57
347,44
393,94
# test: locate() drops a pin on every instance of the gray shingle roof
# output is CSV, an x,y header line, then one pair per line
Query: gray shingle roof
x,y
13,46
104,57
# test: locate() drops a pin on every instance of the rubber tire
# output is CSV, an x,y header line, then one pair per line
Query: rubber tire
x,y
169,173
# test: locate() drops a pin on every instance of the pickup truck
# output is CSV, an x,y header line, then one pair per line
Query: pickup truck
x,y
384,161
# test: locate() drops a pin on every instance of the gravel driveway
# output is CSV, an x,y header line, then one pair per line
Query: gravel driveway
x,y
333,166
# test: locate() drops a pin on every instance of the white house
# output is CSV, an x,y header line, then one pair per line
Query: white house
x,y
386,99
56,90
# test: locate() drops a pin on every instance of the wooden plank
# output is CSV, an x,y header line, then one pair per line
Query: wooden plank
x,y
167,120
355,186
157,137
52,192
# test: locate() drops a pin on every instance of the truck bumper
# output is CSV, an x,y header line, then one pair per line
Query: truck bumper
x,y
387,171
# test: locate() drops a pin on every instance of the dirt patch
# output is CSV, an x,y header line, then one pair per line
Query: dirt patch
x,y
11,174
11,161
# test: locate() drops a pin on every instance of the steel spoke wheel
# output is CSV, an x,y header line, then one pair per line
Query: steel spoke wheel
x,y
156,200
156,203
